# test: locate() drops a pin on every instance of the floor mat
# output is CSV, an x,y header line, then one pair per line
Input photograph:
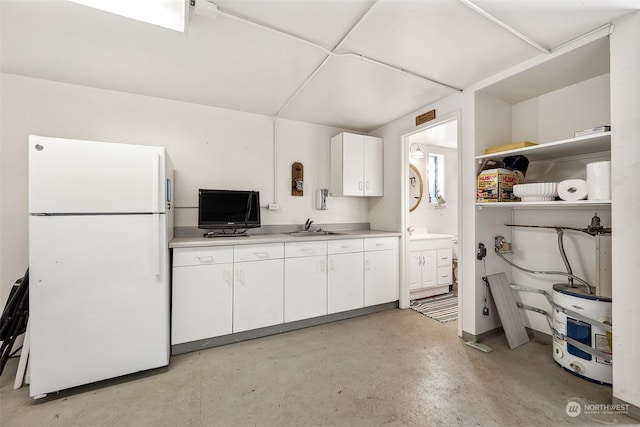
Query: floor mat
x,y
443,308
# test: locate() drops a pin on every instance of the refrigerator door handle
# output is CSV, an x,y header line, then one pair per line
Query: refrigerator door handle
x,y
155,197
156,256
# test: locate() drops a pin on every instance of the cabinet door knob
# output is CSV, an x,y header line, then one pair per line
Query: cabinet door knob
x,y
205,258
359,185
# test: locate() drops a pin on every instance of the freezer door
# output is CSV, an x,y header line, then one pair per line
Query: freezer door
x,y
74,176
99,298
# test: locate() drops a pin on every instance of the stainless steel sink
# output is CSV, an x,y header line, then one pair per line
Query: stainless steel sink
x,y
314,233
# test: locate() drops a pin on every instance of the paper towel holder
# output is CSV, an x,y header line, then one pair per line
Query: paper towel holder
x,y
321,199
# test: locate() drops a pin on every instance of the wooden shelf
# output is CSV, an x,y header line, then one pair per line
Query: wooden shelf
x,y
595,143
554,204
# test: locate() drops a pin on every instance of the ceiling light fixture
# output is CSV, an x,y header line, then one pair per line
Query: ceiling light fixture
x,y
417,154
170,14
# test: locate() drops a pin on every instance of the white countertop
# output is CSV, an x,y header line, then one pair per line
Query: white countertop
x,y
429,236
190,242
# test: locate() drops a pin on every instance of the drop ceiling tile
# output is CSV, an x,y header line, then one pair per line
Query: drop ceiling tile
x,y
320,21
555,22
443,40
353,94
220,63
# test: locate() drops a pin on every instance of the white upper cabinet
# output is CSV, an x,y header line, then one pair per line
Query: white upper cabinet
x,y
356,165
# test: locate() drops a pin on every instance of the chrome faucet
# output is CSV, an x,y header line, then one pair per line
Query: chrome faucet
x,y
307,224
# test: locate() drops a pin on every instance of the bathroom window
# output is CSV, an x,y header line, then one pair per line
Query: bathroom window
x,y
435,168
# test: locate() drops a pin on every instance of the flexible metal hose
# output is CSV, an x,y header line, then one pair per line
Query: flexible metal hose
x,y
561,273
564,255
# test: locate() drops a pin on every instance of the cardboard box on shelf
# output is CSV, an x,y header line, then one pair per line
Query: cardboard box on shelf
x,y
507,147
496,185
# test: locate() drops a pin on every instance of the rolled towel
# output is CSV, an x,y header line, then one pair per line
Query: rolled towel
x,y
572,189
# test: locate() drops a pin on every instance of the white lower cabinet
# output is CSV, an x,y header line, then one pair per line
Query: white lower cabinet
x,y
381,277
202,299
422,269
345,280
430,267
305,280
220,290
258,286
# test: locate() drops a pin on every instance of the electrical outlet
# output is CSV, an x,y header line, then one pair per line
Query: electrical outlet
x,y
274,207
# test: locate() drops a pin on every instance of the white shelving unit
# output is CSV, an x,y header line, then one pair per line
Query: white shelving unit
x,y
588,144
554,204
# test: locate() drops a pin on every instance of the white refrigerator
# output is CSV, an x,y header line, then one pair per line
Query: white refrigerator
x,y
100,219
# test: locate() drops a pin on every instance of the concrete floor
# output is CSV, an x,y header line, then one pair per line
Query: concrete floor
x,y
395,368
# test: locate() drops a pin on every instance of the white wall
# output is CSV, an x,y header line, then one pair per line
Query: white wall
x,y
558,114
625,155
210,148
386,213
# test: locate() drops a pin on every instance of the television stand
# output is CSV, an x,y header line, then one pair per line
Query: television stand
x,y
223,233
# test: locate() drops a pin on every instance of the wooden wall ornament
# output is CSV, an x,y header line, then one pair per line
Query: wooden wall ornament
x,y
416,188
297,179
425,117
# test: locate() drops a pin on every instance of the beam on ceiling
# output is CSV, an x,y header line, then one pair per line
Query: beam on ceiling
x,y
332,53
504,25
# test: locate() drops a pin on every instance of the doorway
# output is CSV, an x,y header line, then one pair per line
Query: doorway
x,y
431,208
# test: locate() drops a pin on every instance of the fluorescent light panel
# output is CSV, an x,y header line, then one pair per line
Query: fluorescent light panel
x,y
165,13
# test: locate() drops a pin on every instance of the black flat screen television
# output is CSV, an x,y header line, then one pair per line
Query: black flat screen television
x,y
224,209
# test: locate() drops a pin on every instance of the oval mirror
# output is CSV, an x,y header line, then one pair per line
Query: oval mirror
x,y
415,187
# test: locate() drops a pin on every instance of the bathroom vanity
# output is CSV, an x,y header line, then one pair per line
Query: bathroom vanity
x,y
430,264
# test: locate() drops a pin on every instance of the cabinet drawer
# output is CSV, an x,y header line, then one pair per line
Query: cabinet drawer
x,y
444,275
198,256
444,257
243,253
345,246
302,249
380,243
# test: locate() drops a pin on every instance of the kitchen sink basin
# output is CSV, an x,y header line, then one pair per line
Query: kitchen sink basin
x,y
314,233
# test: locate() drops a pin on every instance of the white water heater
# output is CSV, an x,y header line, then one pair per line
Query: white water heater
x,y
581,345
